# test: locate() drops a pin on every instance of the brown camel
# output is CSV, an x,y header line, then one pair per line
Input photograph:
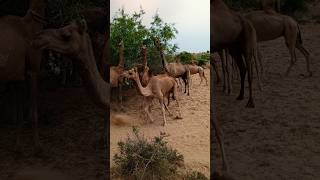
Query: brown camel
x,y
73,41
272,26
20,62
195,69
159,87
231,31
116,79
176,69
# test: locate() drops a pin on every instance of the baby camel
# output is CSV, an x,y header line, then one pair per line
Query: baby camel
x,y
194,69
116,71
158,87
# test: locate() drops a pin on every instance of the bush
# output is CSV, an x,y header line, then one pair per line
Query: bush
x,y
194,175
142,159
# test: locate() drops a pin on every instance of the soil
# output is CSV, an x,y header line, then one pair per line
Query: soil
x,y
279,138
71,129
190,135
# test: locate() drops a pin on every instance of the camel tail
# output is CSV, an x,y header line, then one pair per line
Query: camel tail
x,y
300,39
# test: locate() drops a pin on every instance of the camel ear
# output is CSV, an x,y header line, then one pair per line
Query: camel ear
x,y
82,26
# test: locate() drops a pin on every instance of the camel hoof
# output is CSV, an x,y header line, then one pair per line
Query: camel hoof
x,y
178,117
250,104
240,98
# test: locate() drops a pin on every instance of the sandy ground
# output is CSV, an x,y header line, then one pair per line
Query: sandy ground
x,y
190,135
279,139
70,129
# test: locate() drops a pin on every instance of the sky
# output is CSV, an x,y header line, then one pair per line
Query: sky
x,y
191,19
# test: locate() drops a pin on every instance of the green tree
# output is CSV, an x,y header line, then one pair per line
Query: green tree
x,y
129,28
185,57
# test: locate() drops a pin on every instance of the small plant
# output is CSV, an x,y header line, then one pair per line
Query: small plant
x,y
195,175
142,159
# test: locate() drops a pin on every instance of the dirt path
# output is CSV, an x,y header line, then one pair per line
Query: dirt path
x,y
279,139
190,136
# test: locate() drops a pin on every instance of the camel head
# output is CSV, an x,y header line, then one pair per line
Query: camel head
x,y
131,74
121,45
158,44
71,40
143,49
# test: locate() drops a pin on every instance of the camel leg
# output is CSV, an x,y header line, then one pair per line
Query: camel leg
x,y
34,108
219,136
147,108
166,108
222,57
291,42
120,97
257,70
179,111
260,62
228,75
163,111
248,61
18,114
242,69
306,55
213,64
205,78
292,61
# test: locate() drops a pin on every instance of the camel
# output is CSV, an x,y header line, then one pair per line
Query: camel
x,y
20,62
158,87
194,69
115,73
73,41
176,69
272,26
231,31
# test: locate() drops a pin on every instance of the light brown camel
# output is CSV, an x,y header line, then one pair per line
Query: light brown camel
x,y
272,26
73,41
176,69
20,62
116,79
159,87
195,69
231,31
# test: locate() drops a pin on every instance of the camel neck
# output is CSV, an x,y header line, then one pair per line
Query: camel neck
x,y
121,57
95,84
164,61
143,91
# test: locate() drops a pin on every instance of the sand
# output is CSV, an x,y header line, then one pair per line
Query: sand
x,y
279,139
190,135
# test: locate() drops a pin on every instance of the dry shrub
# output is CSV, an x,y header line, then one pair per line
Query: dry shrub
x,y
140,158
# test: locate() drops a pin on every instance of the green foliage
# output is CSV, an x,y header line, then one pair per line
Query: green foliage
x,y
194,175
202,58
129,28
142,159
185,57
